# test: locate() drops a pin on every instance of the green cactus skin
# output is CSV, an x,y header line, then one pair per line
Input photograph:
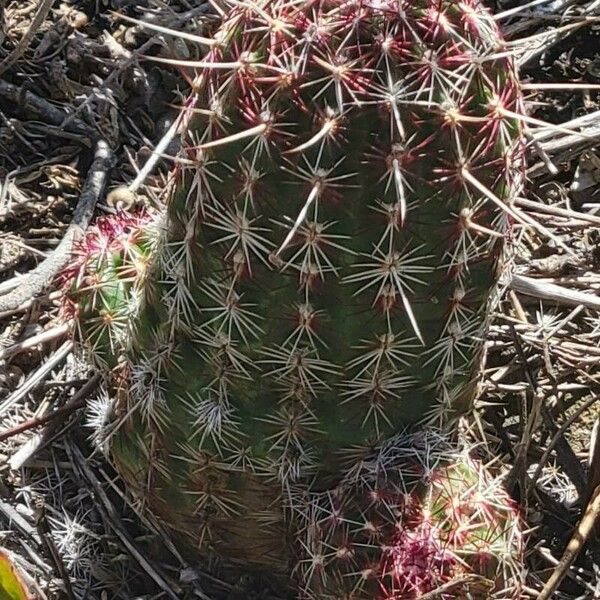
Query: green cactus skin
x,y
418,515
335,228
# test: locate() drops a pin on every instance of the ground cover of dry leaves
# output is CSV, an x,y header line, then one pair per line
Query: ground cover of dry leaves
x,y
77,91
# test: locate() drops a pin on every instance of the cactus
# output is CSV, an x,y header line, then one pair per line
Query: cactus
x,y
417,515
104,281
334,230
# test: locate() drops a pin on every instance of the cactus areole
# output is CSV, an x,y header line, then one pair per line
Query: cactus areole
x,y
335,227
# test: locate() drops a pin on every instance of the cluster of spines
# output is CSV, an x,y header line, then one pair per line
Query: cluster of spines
x,y
417,515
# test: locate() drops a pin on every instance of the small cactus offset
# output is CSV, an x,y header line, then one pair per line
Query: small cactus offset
x,y
418,515
104,281
334,231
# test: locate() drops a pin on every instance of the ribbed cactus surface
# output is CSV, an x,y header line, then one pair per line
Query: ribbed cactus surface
x,y
417,515
334,229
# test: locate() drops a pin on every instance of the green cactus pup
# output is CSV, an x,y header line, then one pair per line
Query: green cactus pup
x,y
104,280
335,227
417,515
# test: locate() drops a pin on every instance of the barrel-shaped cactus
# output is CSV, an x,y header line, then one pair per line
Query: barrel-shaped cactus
x,y
335,228
417,515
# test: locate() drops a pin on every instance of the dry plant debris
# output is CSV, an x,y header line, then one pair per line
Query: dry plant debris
x,y
73,81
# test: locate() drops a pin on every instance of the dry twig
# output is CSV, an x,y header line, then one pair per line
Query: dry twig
x,y
552,292
75,403
578,539
39,277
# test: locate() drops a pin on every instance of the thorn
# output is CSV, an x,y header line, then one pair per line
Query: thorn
x,y
467,223
301,216
399,189
174,32
198,64
329,126
514,212
240,135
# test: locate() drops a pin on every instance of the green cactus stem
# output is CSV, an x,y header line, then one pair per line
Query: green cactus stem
x,y
103,282
335,229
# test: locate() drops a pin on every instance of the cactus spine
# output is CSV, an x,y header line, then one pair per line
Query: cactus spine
x,y
334,229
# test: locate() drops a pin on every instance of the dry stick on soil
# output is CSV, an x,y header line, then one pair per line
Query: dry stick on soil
x,y
578,578
10,284
75,403
38,278
528,418
516,11
552,292
16,519
558,211
567,148
565,454
28,102
24,453
539,149
153,525
589,120
547,39
30,342
45,534
567,87
593,480
36,377
558,434
18,51
177,20
581,534
574,144
27,305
